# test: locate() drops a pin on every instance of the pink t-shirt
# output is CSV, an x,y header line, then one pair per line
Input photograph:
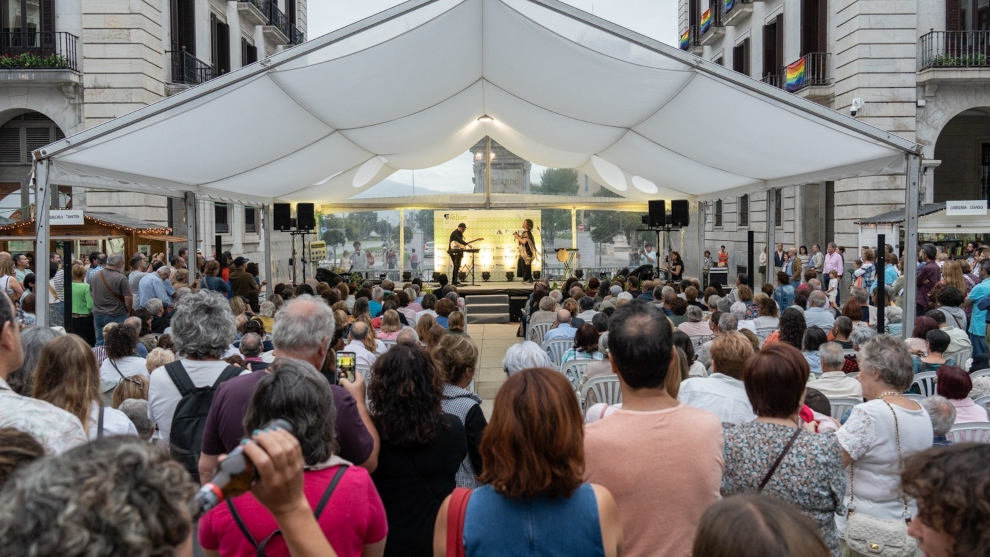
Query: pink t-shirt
x,y
664,468
353,518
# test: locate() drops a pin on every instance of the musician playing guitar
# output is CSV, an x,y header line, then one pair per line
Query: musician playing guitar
x,y
456,247
527,251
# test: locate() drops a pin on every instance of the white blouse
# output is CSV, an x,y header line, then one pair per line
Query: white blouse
x,y
115,422
868,436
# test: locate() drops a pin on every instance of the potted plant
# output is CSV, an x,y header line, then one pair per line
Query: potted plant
x,y
485,276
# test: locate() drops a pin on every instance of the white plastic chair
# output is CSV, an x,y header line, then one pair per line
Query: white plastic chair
x,y
925,382
574,370
555,348
841,406
913,396
980,373
974,432
537,332
983,401
961,357
605,389
388,344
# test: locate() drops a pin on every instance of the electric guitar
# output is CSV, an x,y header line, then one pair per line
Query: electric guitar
x,y
455,245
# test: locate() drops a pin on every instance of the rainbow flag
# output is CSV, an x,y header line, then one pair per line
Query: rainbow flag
x,y
685,39
795,75
729,4
706,20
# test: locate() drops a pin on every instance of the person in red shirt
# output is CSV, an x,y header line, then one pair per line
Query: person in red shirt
x,y
928,276
723,257
352,518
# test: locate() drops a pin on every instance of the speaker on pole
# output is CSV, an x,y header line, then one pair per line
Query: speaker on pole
x,y
679,213
305,216
281,213
658,213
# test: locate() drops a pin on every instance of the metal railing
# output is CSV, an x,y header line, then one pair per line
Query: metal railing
x,y
188,69
695,36
277,17
716,19
298,37
256,3
39,50
815,72
729,5
774,79
954,49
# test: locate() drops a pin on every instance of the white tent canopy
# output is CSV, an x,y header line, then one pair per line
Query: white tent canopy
x,y
405,89
408,89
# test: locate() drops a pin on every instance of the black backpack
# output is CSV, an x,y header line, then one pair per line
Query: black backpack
x,y
189,419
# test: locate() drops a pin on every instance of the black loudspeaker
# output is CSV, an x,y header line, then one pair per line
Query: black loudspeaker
x,y
282,212
658,213
305,216
679,213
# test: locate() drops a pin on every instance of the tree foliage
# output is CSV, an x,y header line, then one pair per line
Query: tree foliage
x,y
556,181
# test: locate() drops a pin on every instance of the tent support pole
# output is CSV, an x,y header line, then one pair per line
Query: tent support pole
x,y
402,240
192,227
266,219
574,242
770,275
911,180
701,245
41,244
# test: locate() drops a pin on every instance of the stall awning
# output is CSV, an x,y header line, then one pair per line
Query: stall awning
x,y
408,89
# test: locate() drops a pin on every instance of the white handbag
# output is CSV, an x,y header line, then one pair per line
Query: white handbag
x,y
885,537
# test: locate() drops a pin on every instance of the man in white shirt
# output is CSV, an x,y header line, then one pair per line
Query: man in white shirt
x,y
358,259
56,429
587,305
818,313
202,329
363,356
723,393
563,328
833,382
649,256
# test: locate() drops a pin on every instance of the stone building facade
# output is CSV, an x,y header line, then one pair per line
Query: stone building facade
x,y
917,69
92,61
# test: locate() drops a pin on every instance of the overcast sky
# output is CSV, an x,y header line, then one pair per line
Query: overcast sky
x,y
654,18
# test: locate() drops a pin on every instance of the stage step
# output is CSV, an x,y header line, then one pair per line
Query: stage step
x,y
487,308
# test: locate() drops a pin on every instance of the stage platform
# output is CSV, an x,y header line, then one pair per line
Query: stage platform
x,y
493,302
515,288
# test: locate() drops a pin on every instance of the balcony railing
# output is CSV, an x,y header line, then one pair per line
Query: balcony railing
x,y
276,17
773,79
954,49
813,73
729,5
188,69
695,36
39,50
298,37
257,4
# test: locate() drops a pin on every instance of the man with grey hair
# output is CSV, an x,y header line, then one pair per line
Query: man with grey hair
x,y
738,310
157,285
303,331
833,382
943,415
111,295
818,313
562,329
407,335
524,355
623,298
726,323
587,305
139,268
202,330
363,356
136,410
251,348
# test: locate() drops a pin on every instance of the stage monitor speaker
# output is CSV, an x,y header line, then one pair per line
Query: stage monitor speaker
x,y
679,213
658,213
305,216
282,212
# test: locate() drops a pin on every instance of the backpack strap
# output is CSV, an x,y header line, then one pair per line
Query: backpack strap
x,y
456,512
180,378
99,423
229,372
260,546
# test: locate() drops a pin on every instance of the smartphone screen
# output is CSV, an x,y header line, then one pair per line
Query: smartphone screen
x,y
346,364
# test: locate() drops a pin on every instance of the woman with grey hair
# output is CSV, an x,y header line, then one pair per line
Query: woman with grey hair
x,y
202,331
524,355
695,326
295,391
21,380
894,316
879,434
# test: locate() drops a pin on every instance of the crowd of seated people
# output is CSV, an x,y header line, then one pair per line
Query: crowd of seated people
x,y
733,387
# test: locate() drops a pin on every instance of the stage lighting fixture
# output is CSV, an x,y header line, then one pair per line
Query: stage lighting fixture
x,y
509,275
486,276
536,275
382,276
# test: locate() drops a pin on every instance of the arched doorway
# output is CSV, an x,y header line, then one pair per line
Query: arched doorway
x,y
963,146
19,136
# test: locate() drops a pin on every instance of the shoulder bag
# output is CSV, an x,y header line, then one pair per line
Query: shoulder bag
x,y
885,537
456,511
780,458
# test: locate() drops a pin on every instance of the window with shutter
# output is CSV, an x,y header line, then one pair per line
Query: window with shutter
x,y
718,212
220,218
25,133
250,220
10,145
36,138
744,210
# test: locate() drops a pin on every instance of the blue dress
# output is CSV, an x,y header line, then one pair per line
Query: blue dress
x,y
497,525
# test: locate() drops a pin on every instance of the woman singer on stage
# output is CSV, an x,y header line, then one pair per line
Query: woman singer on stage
x,y
527,251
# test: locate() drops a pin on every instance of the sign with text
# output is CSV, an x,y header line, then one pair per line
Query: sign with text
x,y
966,208
65,217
